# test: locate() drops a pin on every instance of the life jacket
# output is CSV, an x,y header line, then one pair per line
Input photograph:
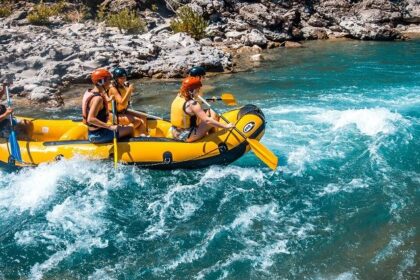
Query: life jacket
x,y
123,92
103,114
179,117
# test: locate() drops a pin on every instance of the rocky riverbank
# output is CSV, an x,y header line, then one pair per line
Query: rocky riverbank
x,y
47,59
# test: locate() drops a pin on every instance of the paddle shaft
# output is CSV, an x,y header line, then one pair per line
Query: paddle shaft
x,y
14,145
259,149
214,99
223,118
9,104
114,118
143,114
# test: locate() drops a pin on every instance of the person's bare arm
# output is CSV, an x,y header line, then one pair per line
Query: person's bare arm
x,y
6,114
199,112
126,98
113,92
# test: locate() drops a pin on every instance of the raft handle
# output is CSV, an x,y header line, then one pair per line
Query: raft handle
x,y
222,148
167,157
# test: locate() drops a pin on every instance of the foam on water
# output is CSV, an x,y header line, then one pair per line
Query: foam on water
x,y
349,187
73,225
243,174
21,195
393,245
368,121
342,204
182,201
261,247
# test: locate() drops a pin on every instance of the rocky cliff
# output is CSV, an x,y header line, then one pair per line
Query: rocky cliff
x,y
45,59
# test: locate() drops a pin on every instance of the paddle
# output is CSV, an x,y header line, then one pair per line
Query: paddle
x,y
134,112
114,118
259,149
14,145
227,98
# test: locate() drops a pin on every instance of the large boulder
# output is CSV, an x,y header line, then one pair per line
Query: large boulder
x,y
411,13
369,31
259,15
255,37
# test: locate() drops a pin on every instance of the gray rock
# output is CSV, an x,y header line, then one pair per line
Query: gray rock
x,y
40,93
218,39
234,35
289,44
312,33
255,37
206,42
256,57
215,30
259,15
412,11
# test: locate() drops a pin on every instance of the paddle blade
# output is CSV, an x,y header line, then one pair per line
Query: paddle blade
x,y
264,154
115,151
228,99
14,146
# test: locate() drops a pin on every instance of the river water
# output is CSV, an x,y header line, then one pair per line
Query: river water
x,y
344,120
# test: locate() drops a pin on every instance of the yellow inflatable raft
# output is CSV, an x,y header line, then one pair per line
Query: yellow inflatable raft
x,y
53,140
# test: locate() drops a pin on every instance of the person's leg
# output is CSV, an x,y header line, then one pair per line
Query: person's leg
x,y
199,132
124,131
139,123
24,130
212,114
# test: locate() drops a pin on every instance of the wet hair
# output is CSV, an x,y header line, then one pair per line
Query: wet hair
x,y
185,93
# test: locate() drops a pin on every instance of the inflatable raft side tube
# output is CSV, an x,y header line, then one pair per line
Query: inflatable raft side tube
x,y
221,159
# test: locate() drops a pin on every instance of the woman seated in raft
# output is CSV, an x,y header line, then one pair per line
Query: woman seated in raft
x,y
23,128
96,112
189,121
121,91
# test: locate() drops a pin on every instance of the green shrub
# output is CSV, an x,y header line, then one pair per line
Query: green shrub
x,y
124,20
189,22
5,8
41,12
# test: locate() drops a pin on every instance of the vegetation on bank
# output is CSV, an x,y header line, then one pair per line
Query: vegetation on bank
x,y
5,8
126,20
41,13
190,22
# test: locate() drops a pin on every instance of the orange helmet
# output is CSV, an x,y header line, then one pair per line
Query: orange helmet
x,y
191,83
99,75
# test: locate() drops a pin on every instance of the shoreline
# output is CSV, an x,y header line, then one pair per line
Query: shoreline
x,y
72,95
48,59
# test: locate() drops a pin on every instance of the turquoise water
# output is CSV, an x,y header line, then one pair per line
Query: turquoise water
x,y
344,119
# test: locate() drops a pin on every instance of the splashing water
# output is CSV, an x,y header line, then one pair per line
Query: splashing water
x,y
343,118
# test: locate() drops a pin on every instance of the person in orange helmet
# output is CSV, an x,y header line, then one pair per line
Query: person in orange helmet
x,y
189,121
96,113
